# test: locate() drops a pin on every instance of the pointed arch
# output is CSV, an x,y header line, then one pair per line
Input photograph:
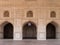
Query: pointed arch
x,y
29,30
50,31
7,28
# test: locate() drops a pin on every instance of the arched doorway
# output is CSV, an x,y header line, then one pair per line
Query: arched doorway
x,y
29,31
8,31
50,31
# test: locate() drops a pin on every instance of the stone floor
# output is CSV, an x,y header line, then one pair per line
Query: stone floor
x,y
30,42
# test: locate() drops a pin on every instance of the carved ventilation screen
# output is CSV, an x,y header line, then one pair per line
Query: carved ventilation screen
x,y
29,14
53,14
6,14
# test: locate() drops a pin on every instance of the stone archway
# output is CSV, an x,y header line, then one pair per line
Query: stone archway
x,y
50,31
29,31
8,31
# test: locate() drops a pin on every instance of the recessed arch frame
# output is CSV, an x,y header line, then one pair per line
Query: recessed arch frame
x,y
29,27
5,27
51,30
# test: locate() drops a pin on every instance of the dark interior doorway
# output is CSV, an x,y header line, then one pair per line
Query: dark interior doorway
x,y
29,31
8,31
50,31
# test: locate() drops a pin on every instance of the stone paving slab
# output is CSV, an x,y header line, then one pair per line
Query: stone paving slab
x,y
30,42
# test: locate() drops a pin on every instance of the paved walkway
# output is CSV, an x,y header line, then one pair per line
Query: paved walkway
x,y
30,42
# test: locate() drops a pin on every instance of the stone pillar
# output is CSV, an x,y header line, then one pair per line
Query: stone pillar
x,y
41,31
17,30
